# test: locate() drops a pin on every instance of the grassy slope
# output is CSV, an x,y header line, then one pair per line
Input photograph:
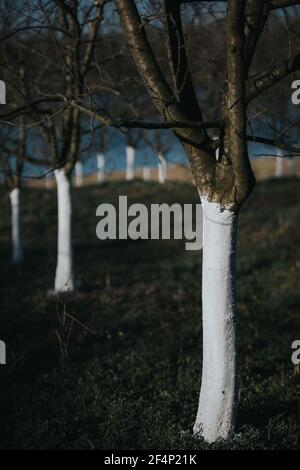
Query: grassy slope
x,y
135,383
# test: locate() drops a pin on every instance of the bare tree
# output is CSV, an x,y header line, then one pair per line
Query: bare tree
x,y
224,183
223,105
13,156
53,72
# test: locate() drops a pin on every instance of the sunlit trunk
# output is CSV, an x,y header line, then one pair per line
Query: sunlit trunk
x,y
79,174
162,169
130,157
64,280
215,417
100,168
17,252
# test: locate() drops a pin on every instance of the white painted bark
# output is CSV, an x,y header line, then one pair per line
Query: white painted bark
x,y
162,169
215,417
146,173
79,174
64,280
279,164
100,167
130,157
17,251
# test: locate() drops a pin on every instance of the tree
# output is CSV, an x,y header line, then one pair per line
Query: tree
x,y
12,161
220,162
57,69
224,183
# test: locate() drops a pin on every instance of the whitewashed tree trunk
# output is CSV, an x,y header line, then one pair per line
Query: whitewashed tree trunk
x,y
100,168
17,251
215,416
279,164
79,174
130,157
162,169
146,173
64,280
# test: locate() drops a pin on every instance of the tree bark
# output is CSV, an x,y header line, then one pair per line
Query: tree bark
x,y
215,417
64,277
279,164
17,251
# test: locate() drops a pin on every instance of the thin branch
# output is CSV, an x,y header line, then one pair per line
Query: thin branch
x,y
130,123
271,77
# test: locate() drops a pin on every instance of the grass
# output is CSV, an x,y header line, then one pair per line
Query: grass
x,y
133,382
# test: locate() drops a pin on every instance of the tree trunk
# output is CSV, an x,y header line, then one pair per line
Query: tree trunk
x,y
64,280
279,164
130,157
100,168
162,169
215,417
17,251
79,174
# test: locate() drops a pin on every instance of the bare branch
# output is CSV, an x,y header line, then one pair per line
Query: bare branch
x,y
178,62
274,4
271,77
139,124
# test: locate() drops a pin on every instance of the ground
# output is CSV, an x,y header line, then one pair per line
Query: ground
x,y
128,377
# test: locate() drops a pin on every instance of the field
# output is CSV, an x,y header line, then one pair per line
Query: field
x,y
117,365
264,168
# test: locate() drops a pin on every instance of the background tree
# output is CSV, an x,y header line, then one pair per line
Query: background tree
x,y
55,42
13,144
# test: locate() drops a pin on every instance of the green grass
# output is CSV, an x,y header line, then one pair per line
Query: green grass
x,y
134,383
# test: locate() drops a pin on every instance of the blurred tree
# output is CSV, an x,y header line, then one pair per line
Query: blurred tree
x,y
12,160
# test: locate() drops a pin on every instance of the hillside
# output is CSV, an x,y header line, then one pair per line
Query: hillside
x,y
130,376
